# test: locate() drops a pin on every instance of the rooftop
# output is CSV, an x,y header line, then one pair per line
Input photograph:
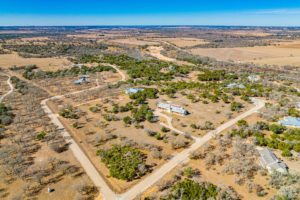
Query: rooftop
x,y
290,121
270,161
133,90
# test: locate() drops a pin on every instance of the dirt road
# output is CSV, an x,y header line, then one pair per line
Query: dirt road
x,y
10,86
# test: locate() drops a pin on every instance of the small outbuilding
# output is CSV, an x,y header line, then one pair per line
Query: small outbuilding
x,y
133,90
253,78
235,85
269,161
298,105
290,121
82,79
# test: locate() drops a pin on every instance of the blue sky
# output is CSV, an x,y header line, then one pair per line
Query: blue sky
x,y
150,12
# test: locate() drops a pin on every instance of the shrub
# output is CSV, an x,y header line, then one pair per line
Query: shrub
x,y
242,123
165,129
286,153
189,189
277,129
6,116
236,106
124,162
127,120
41,135
69,112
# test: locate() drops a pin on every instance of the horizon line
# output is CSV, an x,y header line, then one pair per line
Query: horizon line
x,y
141,25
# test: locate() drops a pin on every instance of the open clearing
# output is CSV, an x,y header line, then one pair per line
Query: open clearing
x,y
9,60
287,53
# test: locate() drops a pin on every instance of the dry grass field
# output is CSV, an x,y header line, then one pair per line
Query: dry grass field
x,y
9,60
283,53
184,42
134,41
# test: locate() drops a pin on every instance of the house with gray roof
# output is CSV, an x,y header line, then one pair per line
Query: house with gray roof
x,y
172,108
290,121
269,161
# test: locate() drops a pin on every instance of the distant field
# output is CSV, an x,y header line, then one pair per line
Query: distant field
x,y
8,60
184,42
134,41
284,53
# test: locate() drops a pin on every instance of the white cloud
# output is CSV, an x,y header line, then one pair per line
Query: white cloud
x,y
283,11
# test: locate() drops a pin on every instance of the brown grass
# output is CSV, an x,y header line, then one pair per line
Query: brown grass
x,y
184,42
286,53
9,60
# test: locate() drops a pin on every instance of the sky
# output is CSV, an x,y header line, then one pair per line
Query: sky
x,y
150,12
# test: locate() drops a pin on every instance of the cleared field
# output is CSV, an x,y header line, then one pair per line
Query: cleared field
x,y
9,60
285,53
184,42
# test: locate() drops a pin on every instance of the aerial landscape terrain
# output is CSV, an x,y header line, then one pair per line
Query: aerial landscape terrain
x,y
150,100
149,112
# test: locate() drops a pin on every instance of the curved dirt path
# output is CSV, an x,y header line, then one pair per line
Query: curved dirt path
x,y
10,86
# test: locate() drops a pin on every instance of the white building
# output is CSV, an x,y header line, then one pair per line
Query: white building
x,y
82,79
172,108
269,161
133,90
78,65
235,85
253,78
298,105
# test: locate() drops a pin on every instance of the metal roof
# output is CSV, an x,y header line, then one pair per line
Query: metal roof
x,y
290,121
270,161
133,90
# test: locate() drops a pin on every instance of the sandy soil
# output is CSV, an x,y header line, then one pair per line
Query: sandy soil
x,y
9,60
286,53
